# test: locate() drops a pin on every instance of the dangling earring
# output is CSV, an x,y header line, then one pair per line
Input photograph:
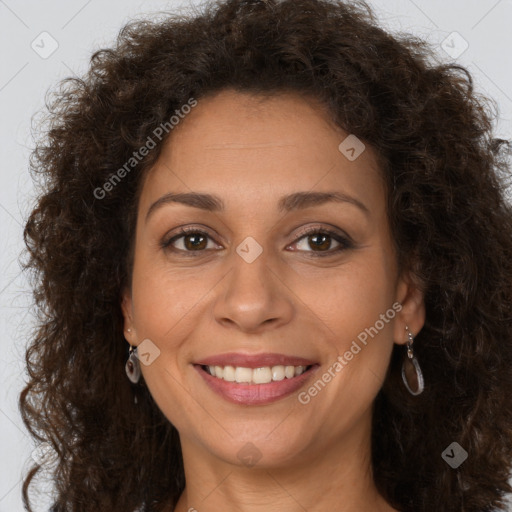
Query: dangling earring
x,y
411,371
132,366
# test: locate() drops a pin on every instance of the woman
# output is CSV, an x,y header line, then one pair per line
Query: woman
x,y
273,260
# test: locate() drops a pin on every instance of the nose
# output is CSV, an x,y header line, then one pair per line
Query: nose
x,y
254,297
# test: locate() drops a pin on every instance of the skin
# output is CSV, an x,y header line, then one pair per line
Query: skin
x,y
250,152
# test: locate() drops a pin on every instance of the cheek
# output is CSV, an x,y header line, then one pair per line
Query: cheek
x,y
356,303
352,298
164,303
164,296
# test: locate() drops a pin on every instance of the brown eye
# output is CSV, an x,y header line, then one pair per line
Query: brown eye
x,y
188,240
194,241
317,242
320,242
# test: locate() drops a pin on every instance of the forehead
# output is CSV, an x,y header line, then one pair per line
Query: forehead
x,y
250,149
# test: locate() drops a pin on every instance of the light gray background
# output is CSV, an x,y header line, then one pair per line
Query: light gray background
x,y
81,26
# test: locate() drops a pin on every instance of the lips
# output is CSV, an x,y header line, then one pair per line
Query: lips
x,y
245,393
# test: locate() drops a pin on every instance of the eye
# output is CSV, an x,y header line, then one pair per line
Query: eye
x,y
190,240
321,240
193,240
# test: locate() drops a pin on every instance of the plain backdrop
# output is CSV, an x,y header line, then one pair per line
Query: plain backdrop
x,y
44,42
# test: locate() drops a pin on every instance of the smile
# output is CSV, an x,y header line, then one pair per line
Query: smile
x,y
255,380
263,375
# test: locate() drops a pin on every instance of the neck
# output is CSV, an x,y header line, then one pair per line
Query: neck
x,y
334,476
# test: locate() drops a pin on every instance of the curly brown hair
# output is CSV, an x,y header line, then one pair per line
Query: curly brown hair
x,y
446,178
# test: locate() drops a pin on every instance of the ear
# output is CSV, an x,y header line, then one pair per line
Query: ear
x,y
412,314
130,333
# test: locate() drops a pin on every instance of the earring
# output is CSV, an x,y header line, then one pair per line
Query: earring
x,y
132,366
411,371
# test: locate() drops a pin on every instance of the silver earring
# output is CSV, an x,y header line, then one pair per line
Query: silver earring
x,y
411,371
132,366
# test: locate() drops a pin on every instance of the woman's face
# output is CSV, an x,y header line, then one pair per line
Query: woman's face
x,y
271,275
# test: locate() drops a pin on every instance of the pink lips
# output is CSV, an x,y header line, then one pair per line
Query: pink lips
x,y
255,394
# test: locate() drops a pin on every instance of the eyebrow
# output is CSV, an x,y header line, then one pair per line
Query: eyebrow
x,y
291,202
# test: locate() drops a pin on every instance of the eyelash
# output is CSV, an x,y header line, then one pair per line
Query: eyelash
x,y
344,241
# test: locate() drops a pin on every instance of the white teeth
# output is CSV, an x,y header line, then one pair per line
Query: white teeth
x,y
289,372
299,370
229,374
277,372
243,374
262,375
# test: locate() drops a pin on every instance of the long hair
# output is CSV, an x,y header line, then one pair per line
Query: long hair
x,y
446,178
